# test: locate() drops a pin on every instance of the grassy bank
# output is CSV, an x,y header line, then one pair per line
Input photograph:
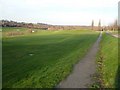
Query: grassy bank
x,y
107,60
43,59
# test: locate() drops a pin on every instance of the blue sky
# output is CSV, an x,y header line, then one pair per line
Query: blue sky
x,y
60,12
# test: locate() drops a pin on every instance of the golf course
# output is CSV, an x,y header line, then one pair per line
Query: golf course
x,y
60,44
44,58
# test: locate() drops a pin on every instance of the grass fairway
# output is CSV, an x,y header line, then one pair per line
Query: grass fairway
x,y
108,61
10,29
43,59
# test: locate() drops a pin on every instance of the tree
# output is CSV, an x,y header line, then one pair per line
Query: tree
x,y
99,25
115,25
92,25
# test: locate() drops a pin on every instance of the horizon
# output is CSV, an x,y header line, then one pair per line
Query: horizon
x,y
53,12
53,24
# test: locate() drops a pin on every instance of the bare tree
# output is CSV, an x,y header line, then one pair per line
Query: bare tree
x,y
115,25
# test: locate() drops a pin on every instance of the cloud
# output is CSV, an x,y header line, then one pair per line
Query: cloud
x,y
60,11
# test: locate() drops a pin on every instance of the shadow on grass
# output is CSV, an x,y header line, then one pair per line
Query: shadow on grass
x,y
118,85
117,79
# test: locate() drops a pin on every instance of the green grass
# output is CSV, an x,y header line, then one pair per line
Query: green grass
x,y
118,76
54,54
17,31
8,29
114,32
0,60
108,61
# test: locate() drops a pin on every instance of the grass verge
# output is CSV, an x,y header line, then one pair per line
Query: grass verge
x,y
107,62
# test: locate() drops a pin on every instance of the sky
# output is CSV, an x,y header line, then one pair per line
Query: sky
x,y
60,12
119,13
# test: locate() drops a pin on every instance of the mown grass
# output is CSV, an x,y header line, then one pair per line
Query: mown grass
x,y
107,60
0,59
43,59
118,76
8,29
114,32
17,31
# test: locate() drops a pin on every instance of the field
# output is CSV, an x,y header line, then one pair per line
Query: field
x,y
10,29
108,62
17,31
44,58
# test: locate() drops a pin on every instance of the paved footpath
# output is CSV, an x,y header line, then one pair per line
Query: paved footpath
x,y
81,74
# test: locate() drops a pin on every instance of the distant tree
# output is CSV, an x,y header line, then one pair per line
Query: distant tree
x,y
99,25
92,25
115,25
